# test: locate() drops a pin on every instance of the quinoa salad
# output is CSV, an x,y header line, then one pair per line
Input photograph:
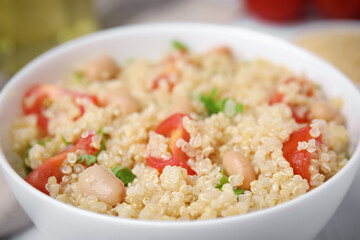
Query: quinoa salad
x,y
190,136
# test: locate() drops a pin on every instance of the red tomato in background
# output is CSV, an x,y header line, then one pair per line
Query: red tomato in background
x,y
277,10
338,8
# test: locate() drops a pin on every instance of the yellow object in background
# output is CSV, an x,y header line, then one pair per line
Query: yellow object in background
x,y
30,27
341,48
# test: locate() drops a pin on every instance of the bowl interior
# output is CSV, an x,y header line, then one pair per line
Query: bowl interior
x,y
152,42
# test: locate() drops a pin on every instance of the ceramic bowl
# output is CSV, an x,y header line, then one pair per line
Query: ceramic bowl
x,y
301,218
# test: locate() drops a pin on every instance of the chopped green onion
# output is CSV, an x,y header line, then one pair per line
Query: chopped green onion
x,y
227,105
180,46
89,159
67,143
124,174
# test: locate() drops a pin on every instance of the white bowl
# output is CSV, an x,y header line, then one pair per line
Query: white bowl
x,y
301,218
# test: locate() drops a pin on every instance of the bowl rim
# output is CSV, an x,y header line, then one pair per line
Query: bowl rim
x,y
231,31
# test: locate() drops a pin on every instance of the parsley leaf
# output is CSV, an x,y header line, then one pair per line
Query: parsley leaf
x,y
102,142
238,191
225,179
67,143
124,174
78,77
347,155
180,46
27,169
227,105
43,141
89,159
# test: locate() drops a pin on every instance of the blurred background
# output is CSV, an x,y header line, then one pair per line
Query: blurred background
x,y
329,28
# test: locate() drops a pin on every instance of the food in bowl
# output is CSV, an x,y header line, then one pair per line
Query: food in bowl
x,y
193,136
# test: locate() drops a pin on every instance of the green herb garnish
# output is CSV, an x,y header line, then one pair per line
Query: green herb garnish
x,y
180,46
89,159
225,179
238,191
27,169
227,105
67,143
78,77
124,174
347,155
43,141
102,142
317,87
26,153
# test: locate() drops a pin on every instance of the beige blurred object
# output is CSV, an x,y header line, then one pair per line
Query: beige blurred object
x,y
340,47
118,12
12,217
209,11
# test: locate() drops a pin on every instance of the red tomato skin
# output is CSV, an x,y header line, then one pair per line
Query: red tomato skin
x,y
300,119
277,10
172,123
277,98
338,8
38,178
172,128
163,77
173,161
299,160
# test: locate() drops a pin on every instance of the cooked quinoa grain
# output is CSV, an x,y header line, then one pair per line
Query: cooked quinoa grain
x,y
157,140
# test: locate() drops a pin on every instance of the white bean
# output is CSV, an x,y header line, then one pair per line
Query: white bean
x,y
236,163
122,99
101,68
102,183
182,105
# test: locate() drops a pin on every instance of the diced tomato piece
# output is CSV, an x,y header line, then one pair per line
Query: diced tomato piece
x,y
299,160
38,178
277,98
160,164
306,88
170,71
163,77
172,123
172,128
300,118
38,97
